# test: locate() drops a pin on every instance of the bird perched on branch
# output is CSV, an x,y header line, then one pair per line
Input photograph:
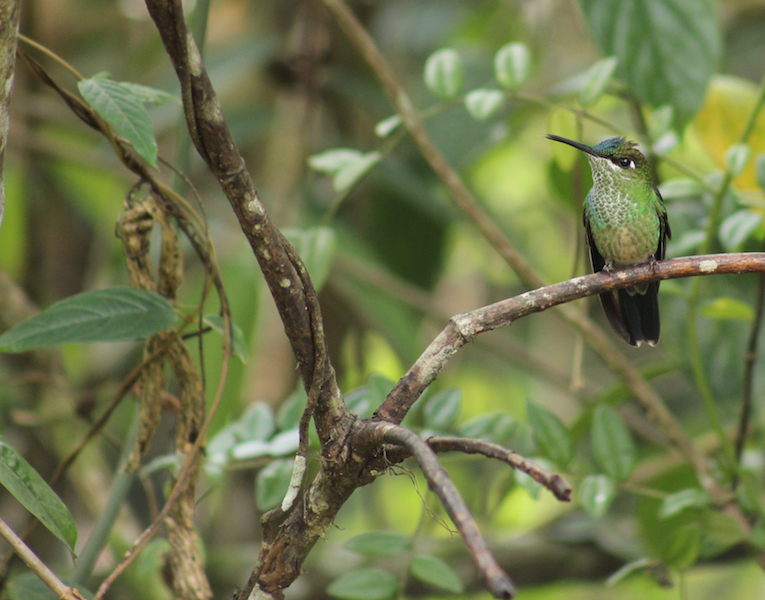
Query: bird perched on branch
x,y
626,224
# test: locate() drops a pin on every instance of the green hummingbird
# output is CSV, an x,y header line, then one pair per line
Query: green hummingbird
x,y
626,224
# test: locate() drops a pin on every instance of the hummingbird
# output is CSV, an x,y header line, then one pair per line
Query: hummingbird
x,y
626,224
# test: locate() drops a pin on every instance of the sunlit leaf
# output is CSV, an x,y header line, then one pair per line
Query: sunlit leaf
x,y
680,188
436,572
379,543
736,158
364,584
512,64
494,427
25,484
272,482
738,227
483,104
444,74
684,546
124,111
679,501
596,79
316,247
550,434
387,126
596,493
667,49
728,309
110,315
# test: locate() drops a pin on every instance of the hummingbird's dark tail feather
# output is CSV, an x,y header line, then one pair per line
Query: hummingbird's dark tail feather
x,y
634,316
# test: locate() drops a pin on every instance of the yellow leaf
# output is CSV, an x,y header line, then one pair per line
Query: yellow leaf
x,y
722,119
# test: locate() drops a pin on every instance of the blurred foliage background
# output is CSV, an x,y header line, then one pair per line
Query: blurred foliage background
x,y
396,260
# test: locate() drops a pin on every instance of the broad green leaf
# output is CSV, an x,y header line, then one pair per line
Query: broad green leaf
x,y
444,74
512,65
612,444
378,388
441,411
25,484
596,493
661,121
387,126
596,79
28,586
358,402
494,427
484,104
111,315
728,309
550,434
316,247
683,549
332,161
364,584
345,165
238,344
736,158
436,572
667,49
679,501
149,95
626,570
680,188
379,543
290,411
257,422
272,483
721,531
739,227
124,111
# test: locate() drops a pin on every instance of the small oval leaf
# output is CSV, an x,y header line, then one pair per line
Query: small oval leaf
x,y
596,494
379,543
512,65
442,410
612,444
484,104
444,74
364,584
111,315
736,158
738,228
679,501
434,571
387,126
238,343
550,434
272,483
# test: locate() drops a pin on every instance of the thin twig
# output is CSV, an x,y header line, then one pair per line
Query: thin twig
x,y
560,488
497,581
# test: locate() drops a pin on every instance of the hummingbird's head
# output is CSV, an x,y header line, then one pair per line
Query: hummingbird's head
x,y
615,159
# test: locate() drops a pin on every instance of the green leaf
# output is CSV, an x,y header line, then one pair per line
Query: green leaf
x,y
759,166
149,95
667,49
661,121
23,482
495,427
681,188
238,344
290,411
379,543
387,126
736,158
738,227
345,165
316,247
683,549
110,315
444,74
124,111
512,65
28,586
442,410
596,79
272,483
612,444
679,501
434,571
378,388
596,493
550,434
364,584
725,309
484,104
626,570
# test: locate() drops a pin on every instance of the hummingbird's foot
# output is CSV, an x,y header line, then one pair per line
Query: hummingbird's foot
x,y
608,267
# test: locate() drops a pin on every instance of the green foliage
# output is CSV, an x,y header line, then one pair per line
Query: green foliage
x,y
596,493
595,81
271,484
512,65
364,584
25,484
120,106
111,315
550,434
379,543
667,49
444,74
612,444
436,572
239,345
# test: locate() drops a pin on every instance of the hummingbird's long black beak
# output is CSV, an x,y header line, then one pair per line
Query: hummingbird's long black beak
x,y
577,145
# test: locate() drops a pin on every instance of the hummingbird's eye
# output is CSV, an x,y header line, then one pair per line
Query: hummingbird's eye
x,y
625,163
